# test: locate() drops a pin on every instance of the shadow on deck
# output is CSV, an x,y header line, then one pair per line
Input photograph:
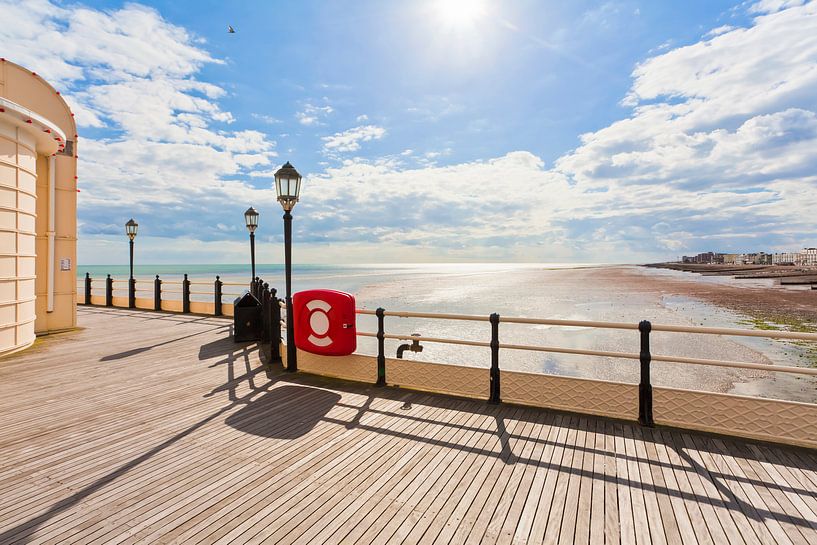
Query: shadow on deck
x,y
181,434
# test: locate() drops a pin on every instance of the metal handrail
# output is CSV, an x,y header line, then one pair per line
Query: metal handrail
x,y
788,335
432,315
601,353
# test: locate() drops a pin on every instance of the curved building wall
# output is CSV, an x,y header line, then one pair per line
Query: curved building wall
x,y
38,199
18,213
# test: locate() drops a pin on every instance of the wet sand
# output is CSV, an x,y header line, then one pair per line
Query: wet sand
x,y
625,293
750,297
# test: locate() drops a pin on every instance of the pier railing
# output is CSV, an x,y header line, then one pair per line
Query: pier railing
x,y
754,417
179,294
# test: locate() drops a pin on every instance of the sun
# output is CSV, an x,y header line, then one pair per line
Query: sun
x,y
459,13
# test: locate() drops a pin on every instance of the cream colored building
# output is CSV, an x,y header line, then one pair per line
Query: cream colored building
x,y
38,209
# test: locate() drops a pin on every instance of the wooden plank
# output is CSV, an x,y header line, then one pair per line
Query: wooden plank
x,y
775,517
494,483
540,515
739,496
508,509
612,530
166,437
233,510
452,427
353,513
528,501
696,475
684,478
663,526
449,518
557,507
623,479
733,520
721,526
642,519
336,464
585,508
567,531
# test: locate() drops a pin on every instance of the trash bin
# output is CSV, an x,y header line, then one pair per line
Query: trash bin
x,y
247,322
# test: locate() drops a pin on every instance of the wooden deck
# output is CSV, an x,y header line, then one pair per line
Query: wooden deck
x,y
157,428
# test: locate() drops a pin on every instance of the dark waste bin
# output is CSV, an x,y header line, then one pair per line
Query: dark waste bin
x,y
247,322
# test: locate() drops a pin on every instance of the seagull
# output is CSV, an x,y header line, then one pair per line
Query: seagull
x,y
230,29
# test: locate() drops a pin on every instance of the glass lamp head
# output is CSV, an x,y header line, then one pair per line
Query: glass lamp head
x,y
287,186
130,228
251,219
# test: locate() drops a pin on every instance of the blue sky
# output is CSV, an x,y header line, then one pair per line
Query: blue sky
x,y
455,130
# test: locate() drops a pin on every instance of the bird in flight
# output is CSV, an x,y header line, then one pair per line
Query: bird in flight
x,y
230,29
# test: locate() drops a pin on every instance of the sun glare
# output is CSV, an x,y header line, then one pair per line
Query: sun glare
x,y
458,13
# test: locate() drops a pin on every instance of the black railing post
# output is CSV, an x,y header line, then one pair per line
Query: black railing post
x,y
186,295
275,326
109,291
217,296
494,378
644,386
381,347
266,301
87,288
157,294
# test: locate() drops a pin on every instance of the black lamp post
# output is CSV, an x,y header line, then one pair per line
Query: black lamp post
x,y
287,187
130,230
251,219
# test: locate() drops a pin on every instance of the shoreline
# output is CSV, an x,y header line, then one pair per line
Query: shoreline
x,y
771,302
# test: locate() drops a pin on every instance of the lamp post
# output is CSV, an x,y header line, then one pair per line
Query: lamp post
x,y
251,219
287,187
130,230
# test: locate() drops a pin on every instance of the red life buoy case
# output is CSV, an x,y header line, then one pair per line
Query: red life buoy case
x,y
325,322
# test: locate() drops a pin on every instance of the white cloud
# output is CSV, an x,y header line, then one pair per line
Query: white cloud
x,y
716,150
267,119
312,115
132,72
771,6
719,30
722,133
361,118
350,140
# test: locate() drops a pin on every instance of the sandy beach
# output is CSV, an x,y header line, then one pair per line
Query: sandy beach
x,y
606,293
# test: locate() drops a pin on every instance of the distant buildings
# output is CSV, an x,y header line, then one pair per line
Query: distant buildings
x,y
786,258
809,256
806,257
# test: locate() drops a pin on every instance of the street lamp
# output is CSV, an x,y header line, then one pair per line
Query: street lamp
x,y
251,219
130,230
287,187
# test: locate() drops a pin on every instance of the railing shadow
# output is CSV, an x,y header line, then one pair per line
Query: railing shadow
x,y
24,531
274,412
143,349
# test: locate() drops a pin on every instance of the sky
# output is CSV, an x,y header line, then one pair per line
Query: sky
x,y
435,130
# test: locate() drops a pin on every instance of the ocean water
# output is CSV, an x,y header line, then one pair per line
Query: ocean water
x,y
349,278
590,292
